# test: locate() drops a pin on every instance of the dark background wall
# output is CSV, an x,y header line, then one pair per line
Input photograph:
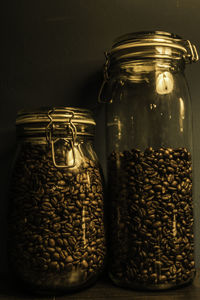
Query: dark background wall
x,y
51,53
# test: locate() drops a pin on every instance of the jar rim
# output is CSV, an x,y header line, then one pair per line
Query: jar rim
x,y
152,44
145,35
55,114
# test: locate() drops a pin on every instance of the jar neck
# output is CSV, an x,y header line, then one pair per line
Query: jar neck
x,y
41,132
145,66
137,71
43,141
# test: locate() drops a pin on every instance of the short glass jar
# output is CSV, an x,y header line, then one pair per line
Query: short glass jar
x,y
149,143
56,237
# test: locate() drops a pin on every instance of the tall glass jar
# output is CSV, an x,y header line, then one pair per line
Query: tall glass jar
x,y
149,147
56,239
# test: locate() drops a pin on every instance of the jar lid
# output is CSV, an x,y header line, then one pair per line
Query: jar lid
x,y
54,122
153,44
55,125
55,114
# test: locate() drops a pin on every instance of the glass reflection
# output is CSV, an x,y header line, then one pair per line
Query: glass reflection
x,y
164,83
182,114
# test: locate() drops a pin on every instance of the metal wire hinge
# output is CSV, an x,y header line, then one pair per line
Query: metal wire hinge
x,y
71,141
101,98
192,56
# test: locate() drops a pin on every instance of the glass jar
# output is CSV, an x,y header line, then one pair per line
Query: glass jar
x,y
149,143
56,238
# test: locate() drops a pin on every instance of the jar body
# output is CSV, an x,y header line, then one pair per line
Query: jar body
x,y
56,217
149,138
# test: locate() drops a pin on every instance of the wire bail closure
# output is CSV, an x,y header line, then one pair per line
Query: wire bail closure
x,y
49,136
105,80
192,56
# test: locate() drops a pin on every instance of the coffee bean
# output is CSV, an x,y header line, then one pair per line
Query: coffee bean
x,y
50,215
158,263
84,264
157,224
56,227
69,259
170,178
56,256
61,182
179,257
158,187
166,197
50,250
174,183
163,278
170,169
79,205
147,187
152,239
52,243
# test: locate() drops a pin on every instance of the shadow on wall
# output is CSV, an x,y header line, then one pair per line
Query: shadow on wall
x,y
6,157
88,92
89,98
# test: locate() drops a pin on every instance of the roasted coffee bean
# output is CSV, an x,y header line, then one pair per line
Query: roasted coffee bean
x,y
56,256
151,239
56,219
85,264
52,242
166,197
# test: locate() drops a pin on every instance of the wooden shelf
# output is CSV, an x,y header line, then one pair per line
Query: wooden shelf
x,y
104,289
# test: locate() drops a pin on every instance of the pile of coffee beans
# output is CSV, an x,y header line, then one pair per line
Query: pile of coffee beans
x,y
56,235
151,240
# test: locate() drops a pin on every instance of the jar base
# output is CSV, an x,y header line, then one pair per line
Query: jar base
x,y
62,291
149,287
23,285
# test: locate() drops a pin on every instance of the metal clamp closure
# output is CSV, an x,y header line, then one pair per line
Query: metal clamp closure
x,y
192,54
50,139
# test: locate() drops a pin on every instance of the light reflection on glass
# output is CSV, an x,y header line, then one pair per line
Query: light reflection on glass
x,y
174,230
74,156
74,276
119,127
83,225
163,50
164,83
152,106
182,114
